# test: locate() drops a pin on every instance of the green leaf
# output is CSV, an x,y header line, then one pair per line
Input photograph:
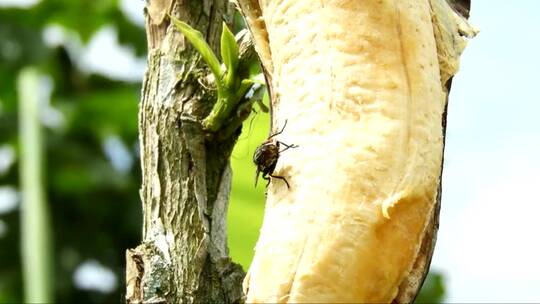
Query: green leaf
x,y
197,39
433,289
245,85
258,78
229,54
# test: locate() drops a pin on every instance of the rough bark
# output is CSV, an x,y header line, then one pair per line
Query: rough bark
x,y
186,178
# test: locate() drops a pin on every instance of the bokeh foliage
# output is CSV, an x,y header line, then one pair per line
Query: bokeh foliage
x,y
96,210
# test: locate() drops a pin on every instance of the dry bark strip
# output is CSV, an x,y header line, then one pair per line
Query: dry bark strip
x,y
410,287
448,29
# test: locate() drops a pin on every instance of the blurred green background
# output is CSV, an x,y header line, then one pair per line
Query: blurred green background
x,y
88,112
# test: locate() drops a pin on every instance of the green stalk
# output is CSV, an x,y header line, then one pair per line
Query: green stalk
x,y
35,226
225,104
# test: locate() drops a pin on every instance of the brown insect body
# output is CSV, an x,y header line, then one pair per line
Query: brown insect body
x,y
266,157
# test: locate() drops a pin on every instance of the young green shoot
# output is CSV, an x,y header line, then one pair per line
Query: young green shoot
x,y
230,88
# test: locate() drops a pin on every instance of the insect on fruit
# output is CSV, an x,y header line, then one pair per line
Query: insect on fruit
x,y
266,156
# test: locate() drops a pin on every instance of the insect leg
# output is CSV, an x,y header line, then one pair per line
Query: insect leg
x,y
266,178
287,146
284,125
283,179
257,177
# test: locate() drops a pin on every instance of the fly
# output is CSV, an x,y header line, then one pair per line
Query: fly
x,y
266,157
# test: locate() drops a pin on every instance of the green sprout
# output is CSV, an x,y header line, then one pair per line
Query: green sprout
x,y
230,88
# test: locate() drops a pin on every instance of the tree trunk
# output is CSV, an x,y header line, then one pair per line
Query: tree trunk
x,y
186,174
186,177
